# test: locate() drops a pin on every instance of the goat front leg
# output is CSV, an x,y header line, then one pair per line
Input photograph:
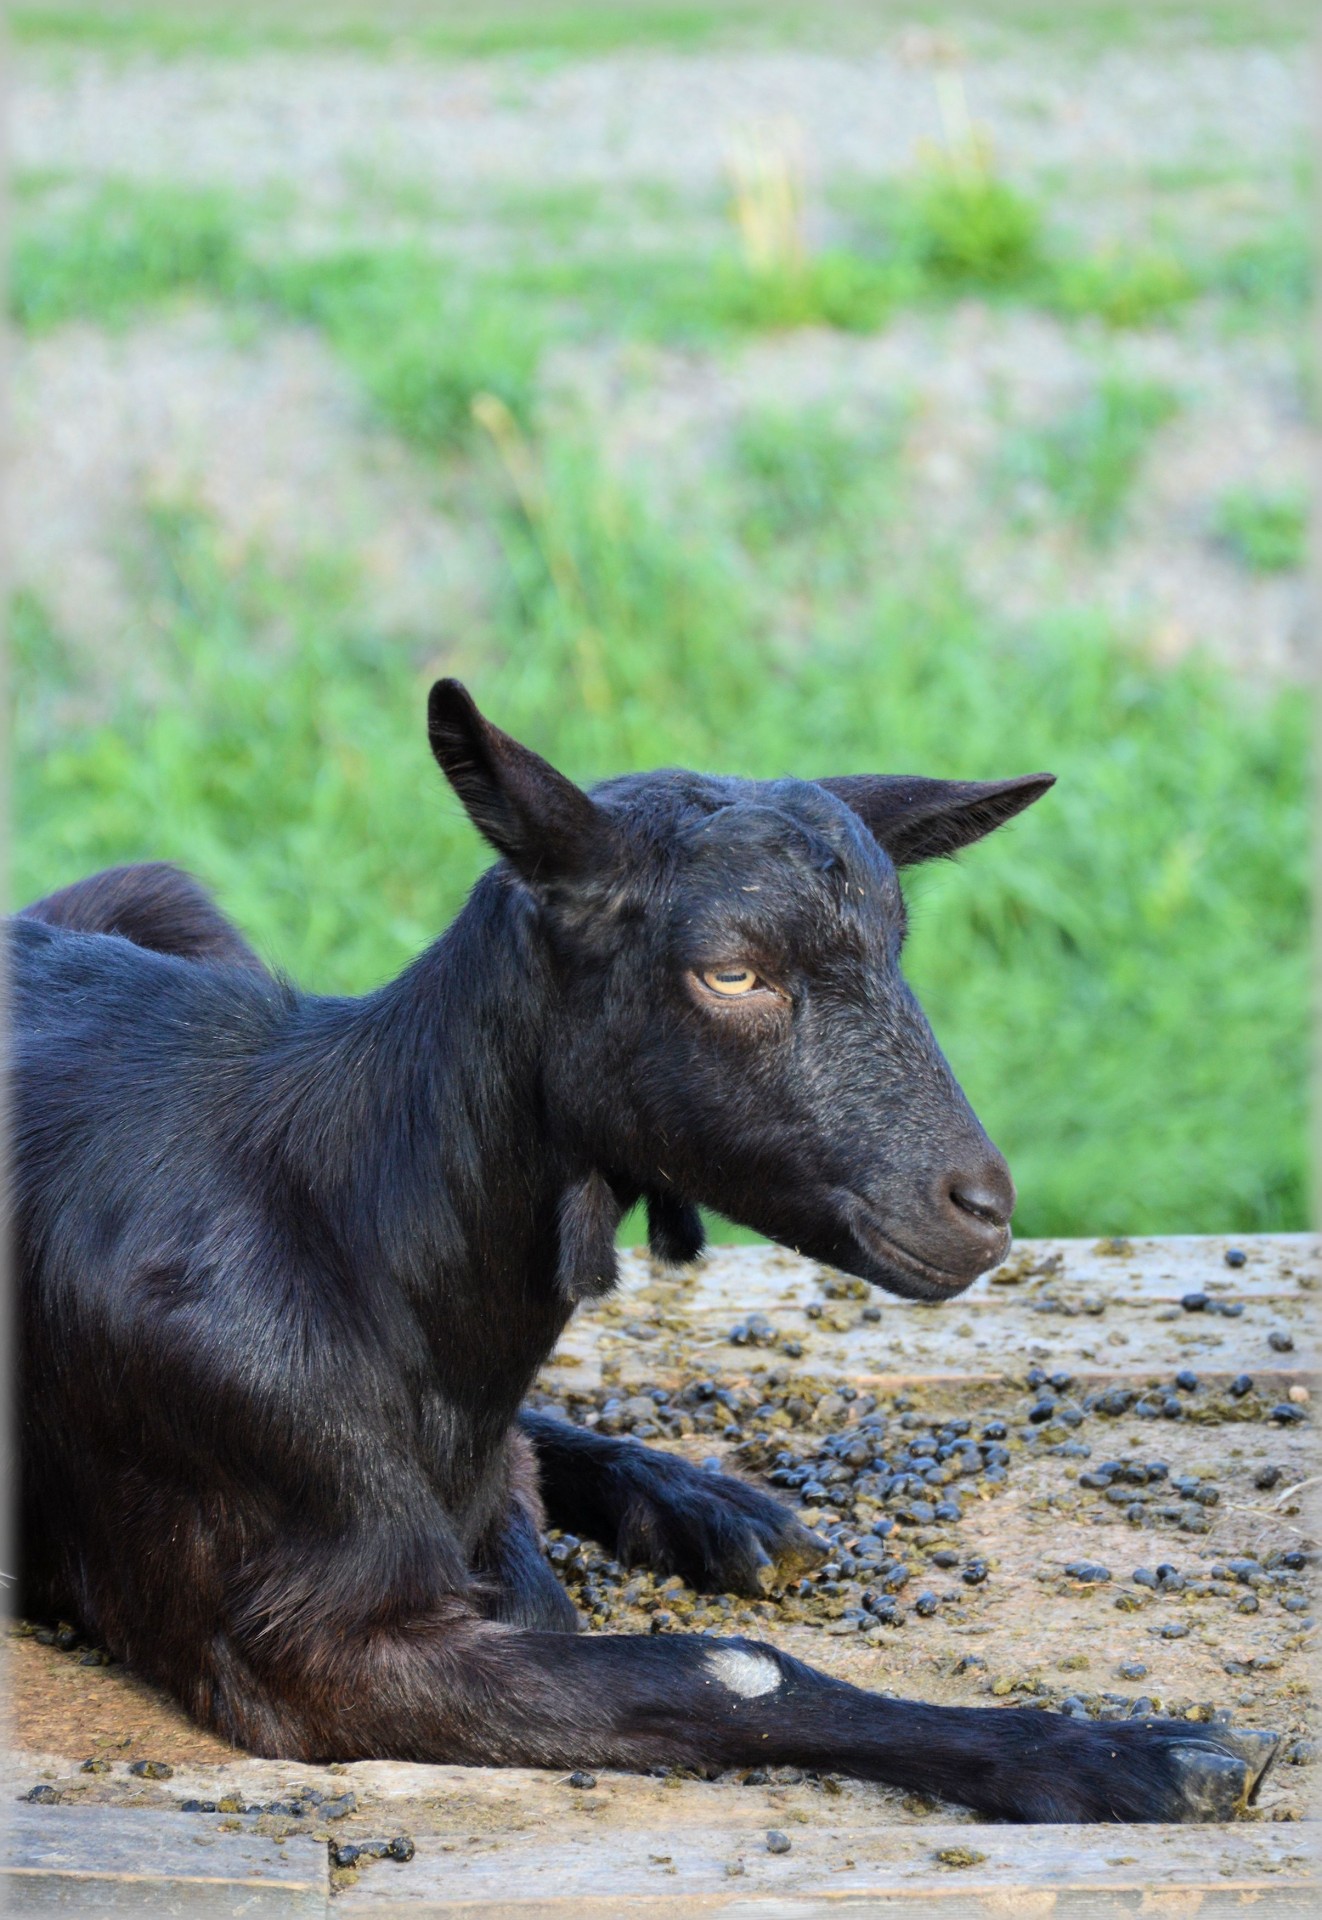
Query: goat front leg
x,y
654,1510
513,1580
472,1692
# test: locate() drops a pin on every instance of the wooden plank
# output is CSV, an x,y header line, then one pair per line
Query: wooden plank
x,y
1145,1267
102,1860
520,1843
1102,1310
715,1871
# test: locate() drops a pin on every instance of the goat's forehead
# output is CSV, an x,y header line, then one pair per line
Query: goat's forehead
x,y
709,822
782,863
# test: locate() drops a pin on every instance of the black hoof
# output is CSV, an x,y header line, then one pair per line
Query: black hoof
x,y
797,1552
1132,1770
1217,1777
718,1533
794,1551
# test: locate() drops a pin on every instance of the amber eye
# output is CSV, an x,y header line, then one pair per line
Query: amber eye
x,y
731,981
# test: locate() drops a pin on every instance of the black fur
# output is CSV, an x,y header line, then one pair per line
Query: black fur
x,y
289,1266
144,904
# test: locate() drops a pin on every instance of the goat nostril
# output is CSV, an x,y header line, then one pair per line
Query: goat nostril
x,y
986,1198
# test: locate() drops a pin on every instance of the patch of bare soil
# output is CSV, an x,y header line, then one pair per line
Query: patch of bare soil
x,y
964,384
319,122
269,436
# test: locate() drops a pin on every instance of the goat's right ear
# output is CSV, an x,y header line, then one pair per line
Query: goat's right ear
x,y
917,819
544,825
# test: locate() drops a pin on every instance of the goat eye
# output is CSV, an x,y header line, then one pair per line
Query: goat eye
x,y
731,981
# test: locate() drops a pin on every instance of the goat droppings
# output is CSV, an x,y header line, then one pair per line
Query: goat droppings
x,y
748,1674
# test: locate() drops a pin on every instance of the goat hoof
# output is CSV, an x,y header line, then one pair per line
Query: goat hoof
x,y
797,1552
1217,1780
1257,1749
768,1577
792,1556
785,1556
767,1567
720,1534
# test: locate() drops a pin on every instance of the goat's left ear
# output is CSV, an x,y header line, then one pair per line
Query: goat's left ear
x,y
544,825
916,819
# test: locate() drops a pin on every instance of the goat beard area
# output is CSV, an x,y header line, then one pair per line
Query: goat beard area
x,y
892,1267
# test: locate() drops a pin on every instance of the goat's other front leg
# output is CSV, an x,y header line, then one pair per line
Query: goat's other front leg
x,y
651,1509
513,1580
473,1692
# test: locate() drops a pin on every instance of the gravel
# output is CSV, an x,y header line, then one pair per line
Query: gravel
x,y
322,119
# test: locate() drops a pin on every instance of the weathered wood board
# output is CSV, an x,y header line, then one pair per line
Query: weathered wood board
x,y
1107,1315
95,1860
639,1849
1103,1309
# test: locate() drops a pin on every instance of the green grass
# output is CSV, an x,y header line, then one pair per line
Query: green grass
x,y
1266,532
950,230
425,333
439,30
700,299
1272,273
1120,979
122,249
966,228
1124,288
447,28
422,338
833,289
812,487
1086,462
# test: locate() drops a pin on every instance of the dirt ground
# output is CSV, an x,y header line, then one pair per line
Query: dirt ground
x,y
1035,1588
263,429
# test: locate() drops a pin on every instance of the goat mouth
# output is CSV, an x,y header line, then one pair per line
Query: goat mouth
x,y
907,1273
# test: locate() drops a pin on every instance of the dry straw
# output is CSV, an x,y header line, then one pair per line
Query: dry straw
x,y
520,463
967,149
765,161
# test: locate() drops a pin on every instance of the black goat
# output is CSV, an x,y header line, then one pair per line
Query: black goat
x,y
289,1266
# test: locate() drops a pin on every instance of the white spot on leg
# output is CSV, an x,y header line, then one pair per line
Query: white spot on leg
x,y
747,1674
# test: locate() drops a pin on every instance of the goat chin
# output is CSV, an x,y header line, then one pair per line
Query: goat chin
x,y
904,1283
862,1246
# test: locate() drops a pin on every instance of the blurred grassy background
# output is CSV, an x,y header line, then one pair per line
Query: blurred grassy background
x,y
591,26
1119,980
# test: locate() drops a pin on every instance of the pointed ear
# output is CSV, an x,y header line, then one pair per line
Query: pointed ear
x,y
915,819
544,825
